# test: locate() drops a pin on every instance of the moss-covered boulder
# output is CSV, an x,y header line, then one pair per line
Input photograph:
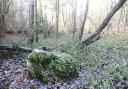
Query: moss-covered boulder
x,y
42,64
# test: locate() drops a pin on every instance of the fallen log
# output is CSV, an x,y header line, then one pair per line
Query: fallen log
x,y
23,49
15,48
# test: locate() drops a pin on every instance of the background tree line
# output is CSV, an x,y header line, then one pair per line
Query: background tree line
x,y
54,17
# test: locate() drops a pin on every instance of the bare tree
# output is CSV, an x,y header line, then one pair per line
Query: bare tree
x,y
36,22
84,21
1,17
4,11
57,18
74,18
91,37
31,20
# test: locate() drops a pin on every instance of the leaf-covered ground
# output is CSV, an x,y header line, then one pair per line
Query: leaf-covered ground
x,y
13,75
104,65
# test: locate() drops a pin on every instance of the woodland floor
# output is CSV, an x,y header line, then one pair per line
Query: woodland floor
x,y
13,75
94,59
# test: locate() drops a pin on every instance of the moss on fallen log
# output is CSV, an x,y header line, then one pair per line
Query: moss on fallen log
x,y
42,64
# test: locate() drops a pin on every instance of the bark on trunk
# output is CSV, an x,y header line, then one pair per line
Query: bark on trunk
x,y
74,19
57,18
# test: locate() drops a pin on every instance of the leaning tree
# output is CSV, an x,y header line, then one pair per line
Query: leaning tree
x,y
95,35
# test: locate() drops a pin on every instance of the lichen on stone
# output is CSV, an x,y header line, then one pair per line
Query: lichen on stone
x,y
41,64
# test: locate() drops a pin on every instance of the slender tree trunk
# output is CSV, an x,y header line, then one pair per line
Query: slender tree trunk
x,y
120,17
84,21
57,18
3,13
1,26
74,17
125,17
104,23
31,15
36,22
31,21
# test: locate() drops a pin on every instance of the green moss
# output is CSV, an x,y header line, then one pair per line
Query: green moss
x,y
64,66
60,64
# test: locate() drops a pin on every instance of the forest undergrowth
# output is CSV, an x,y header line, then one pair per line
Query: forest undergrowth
x,y
104,65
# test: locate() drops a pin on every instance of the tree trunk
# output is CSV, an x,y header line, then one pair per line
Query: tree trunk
x,y
57,18
104,23
33,21
36,22
3,13
74,19
85,17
